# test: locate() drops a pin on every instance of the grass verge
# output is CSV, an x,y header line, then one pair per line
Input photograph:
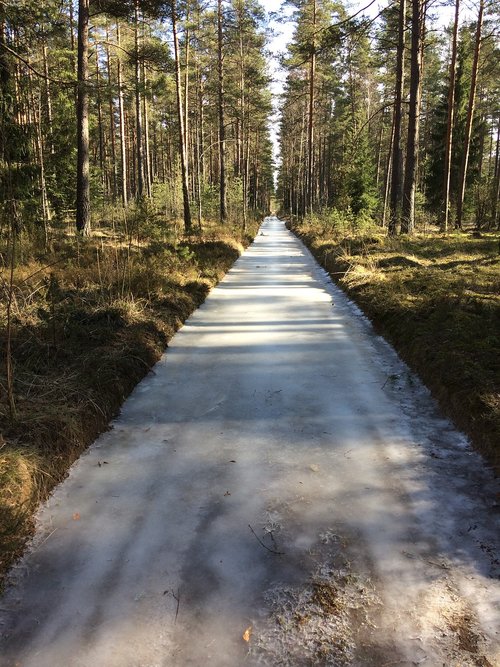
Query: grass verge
x,y
89,319
437,299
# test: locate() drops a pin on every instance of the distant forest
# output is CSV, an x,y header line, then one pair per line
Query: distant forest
x,y
393,117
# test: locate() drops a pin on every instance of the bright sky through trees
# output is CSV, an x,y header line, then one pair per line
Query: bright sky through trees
x,y
283,31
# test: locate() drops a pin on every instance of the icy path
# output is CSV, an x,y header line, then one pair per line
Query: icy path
x,y
280,491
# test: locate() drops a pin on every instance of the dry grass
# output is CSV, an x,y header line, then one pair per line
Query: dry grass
x,y
437,299
89,319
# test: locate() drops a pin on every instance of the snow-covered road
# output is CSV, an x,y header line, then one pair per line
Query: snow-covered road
x,y
279,491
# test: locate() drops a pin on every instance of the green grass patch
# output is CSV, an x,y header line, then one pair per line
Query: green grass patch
x,y
437,299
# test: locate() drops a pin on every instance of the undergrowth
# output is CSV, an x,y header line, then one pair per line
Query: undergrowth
x,y
437,299
89,319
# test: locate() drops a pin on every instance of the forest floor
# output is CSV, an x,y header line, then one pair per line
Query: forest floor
x,y
436,298
281,490
90,317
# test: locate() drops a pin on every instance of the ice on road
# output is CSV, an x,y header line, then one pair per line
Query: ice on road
x,y
280,490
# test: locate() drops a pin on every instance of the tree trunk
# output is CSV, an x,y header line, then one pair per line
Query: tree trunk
x,y
48,98
138,110
180,118
397,154
121,111
147,149
112,130
470,116
100,126
388,173
222,130
242,143
450,120
310,127
46,212
495,223
82,113
186,92
408,216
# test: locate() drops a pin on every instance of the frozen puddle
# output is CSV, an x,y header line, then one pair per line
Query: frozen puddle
x,y
280,491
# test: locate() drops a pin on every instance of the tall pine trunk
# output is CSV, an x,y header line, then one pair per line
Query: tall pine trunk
x,y
138,106
180,119
397,153
410,177
450,120
470,117
121,113
222,129
148,175
495,193
82,114
111,110
310,127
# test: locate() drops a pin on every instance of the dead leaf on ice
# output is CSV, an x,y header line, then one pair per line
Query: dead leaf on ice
x,y
247,634
76,516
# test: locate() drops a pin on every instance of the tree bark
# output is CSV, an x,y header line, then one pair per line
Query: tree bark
x,y
121,111
147,149
310,127
388,173
180,118
470,116
186,91
138,110
222,130
111,108
410,177
242,144
397,154
495,222
48,97
100,126
82,112
450,120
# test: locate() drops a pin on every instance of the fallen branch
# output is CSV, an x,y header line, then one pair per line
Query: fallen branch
x,y
278,553
178,599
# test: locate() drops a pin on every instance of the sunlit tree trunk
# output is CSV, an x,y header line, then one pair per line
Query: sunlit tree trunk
x,y
148,177
82,111
48,98
410,176
121,113
100,127
397,153
470,117
111,109
222,129
187,51
138,105
388,174
180,119
450,120
495,222
310,126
